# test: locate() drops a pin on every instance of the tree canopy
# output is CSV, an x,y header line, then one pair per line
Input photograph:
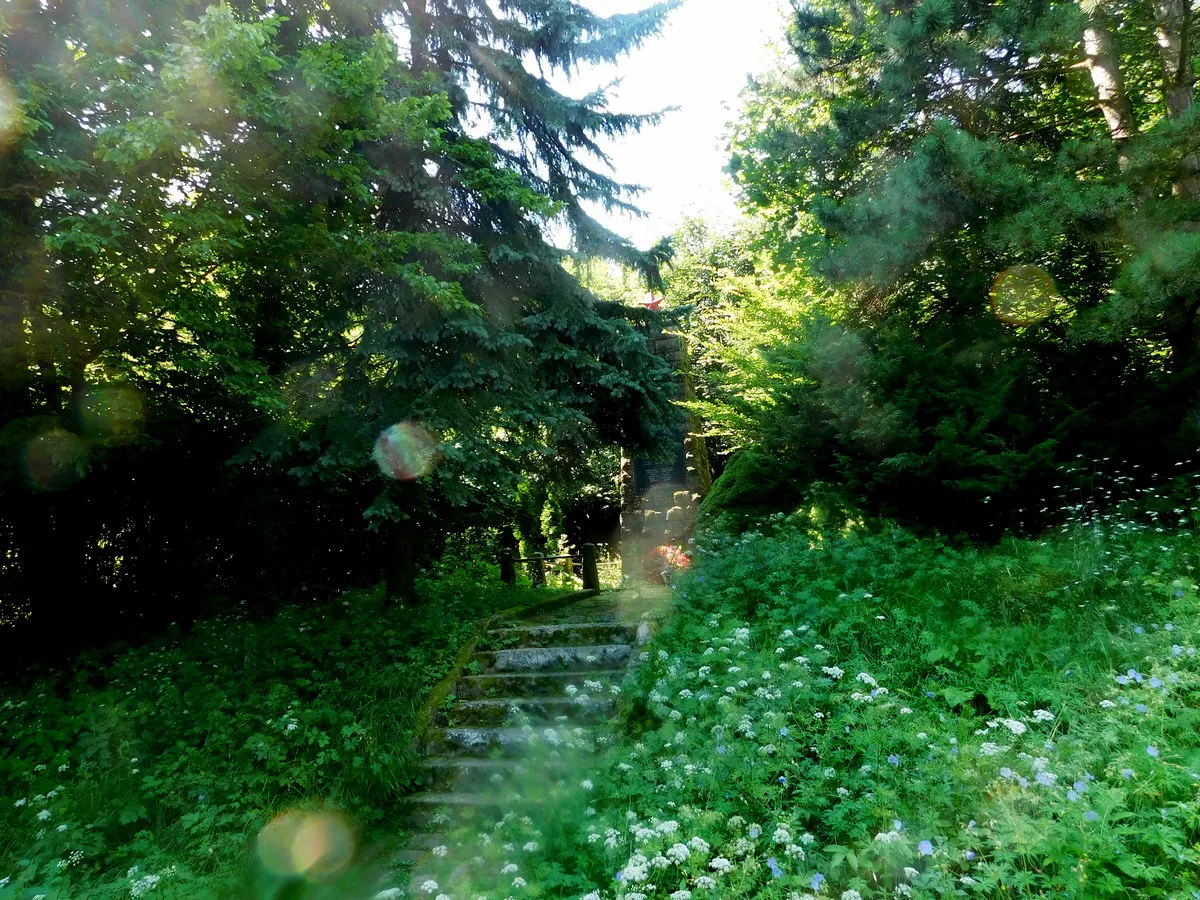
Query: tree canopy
x,y
980,229
242,241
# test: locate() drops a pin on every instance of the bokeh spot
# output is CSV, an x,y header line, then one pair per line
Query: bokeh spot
x,y
404,451
55,459
1024,295
114,414
316,845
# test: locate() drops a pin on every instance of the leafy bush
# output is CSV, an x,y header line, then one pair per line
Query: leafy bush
x,y
754,483
162,762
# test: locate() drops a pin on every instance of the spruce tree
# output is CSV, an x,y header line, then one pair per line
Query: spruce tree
x,y
288,226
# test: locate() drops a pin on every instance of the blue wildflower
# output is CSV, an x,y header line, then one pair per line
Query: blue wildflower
x,y
721,749
1072,796
1138,629
925,848
783,732
783,780
1080,786
1091,815
621,875
1141,707
817,881
754,831
1152,751
1127,773
969,854
894,759
773,865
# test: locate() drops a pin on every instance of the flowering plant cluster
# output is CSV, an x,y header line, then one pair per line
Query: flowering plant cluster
x,y
661,564
875,715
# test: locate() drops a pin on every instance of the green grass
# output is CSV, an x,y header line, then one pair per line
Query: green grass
x,y
170,757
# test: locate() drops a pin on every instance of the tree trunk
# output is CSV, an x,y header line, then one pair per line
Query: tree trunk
x,y
1172,28
401,566
1103,65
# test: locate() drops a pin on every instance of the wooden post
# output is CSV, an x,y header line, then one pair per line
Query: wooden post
x,y
591,571
509,553
508,566
537,574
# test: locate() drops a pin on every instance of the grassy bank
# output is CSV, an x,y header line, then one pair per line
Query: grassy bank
x,y
872,715
150,770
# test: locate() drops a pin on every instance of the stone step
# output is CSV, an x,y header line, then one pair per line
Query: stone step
x,y
439,808
554,659
468,773
572,634
426,840
503,741
534,684
482,713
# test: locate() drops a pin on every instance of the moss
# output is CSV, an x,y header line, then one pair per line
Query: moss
x,y
754,483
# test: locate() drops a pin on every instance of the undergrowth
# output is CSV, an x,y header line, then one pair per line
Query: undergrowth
x,y
150,770
869,714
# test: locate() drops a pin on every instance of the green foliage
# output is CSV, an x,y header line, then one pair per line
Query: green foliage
x,y
909,159
754,483
867,713
166,759
281,233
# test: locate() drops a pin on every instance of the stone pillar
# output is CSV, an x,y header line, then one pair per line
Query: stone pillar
x,y
659,498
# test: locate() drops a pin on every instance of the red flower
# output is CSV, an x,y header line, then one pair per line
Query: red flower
x,y
661,562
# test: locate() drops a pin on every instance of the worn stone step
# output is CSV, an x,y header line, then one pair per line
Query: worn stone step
x,y
533,684
426,840
445,808
571,634
469,774
482,713
503,741
555,659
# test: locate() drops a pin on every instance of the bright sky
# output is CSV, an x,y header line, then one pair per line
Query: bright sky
x,y
699,64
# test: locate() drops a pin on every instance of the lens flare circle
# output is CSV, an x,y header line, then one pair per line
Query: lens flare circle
x,y
315,845
404,451
1024,295
114,414
55,459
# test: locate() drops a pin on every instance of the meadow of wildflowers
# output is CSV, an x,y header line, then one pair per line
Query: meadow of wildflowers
x,y
871,714
149,771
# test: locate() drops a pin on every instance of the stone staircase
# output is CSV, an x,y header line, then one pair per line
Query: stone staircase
x,y
551,679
